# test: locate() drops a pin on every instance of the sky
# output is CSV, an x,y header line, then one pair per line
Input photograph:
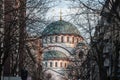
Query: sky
x,y
54,13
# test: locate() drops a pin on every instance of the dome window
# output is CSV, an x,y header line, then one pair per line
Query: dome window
x,y
45,64
72,39
62,39
51,39
56,64
56,39
67,39
65,65
51,64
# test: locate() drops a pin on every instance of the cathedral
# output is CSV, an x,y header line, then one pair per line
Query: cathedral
x,y
59,39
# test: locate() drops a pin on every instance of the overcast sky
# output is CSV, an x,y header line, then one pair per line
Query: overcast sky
x,y
62,5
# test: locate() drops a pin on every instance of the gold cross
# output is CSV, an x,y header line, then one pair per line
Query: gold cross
x,y
60,14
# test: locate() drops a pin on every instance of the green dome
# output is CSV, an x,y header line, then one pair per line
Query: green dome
x,y
54,55
60,27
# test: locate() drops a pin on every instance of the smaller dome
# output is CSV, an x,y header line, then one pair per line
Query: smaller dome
x,y
54,55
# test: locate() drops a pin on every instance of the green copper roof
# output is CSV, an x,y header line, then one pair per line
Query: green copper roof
x,y
60,27
53,54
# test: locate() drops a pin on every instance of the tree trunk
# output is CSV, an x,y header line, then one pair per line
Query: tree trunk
x,y
0,71
102,71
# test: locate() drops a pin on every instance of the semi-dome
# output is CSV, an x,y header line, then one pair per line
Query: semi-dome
x,y
60,27
54,55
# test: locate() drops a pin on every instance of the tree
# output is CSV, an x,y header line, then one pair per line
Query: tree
x,y
107,27
89,12
15,16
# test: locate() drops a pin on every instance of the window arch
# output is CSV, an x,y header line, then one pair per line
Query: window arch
x,y
46,64
51,39
56,64
51,64
62,40
67,38
65,65
72,39
56,38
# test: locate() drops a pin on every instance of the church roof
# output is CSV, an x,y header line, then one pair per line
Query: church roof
x,y
53,54
60,27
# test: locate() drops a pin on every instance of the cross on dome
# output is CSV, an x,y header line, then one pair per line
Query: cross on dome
x,y
60,14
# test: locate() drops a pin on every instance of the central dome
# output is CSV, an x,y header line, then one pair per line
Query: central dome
x,y
60,27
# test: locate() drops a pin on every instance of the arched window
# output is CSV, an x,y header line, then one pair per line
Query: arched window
x,y
65,65
60,64
50,39
56,38
56,64
62,39
67,39
51,64
72,39
46,64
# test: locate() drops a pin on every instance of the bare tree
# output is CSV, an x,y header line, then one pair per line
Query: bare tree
x,y
87,18
110,18
15,16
